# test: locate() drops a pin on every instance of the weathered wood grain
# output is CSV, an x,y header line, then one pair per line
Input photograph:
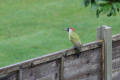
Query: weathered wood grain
x,y
116,52
116,58
9,76
116,75
48,71
116,37
116,43
116,64
86,67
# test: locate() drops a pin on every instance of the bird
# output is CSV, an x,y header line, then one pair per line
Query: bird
x,y
74,38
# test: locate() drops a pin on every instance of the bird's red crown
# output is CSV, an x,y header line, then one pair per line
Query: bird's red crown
x,y
72,29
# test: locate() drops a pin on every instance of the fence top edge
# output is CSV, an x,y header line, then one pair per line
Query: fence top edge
x,y
52,56
116,37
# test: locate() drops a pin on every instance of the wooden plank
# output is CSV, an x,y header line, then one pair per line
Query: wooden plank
x,y
86,67
10,76
116,52
116,37
115,64
116,75
116,43
45,71
116,59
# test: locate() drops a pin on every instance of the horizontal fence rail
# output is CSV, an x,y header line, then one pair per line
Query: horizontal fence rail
x,y
58,66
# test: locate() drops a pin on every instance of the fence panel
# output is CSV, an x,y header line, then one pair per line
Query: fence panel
x,y
56,66
116,61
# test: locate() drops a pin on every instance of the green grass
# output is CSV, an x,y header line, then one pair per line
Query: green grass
x,y
31,28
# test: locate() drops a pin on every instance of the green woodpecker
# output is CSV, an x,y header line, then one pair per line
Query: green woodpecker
x,y
74,38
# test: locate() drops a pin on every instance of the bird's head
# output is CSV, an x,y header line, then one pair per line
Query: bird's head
x,y
69,29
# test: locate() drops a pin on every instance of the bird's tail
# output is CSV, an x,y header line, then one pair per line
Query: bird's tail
x,y
78,50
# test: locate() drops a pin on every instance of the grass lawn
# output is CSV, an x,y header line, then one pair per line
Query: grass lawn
x,y
31,28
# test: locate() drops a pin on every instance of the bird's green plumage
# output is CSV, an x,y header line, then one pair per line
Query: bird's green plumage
x,y
74,38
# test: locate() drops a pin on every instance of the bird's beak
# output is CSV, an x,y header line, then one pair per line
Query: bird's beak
x,y
65,29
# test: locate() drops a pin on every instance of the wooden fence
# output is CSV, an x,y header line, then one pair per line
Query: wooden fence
x,y
66,65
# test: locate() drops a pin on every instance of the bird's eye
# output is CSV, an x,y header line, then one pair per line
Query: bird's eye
x,y
67,29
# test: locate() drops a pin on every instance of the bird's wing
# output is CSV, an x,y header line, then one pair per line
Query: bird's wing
x,y
74,37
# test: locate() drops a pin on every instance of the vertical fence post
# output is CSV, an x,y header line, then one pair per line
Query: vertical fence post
x,y
20,73
100,37
61,71
105,33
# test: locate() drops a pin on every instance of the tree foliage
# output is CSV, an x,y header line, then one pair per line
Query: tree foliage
x,y
108,7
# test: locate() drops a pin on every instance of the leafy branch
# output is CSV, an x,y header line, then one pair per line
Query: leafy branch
x,y
108,7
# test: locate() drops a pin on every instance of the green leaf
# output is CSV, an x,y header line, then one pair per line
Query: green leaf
x,y
109,7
